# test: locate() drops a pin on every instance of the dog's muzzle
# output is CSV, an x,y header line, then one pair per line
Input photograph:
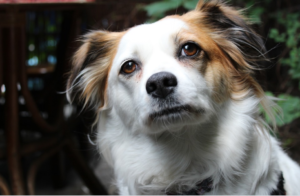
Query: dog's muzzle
x,y
161,85
166,107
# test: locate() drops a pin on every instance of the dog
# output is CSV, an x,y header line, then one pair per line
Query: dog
x,y
177,106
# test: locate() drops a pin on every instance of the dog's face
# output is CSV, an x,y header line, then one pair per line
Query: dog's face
x,y
157,76
171,73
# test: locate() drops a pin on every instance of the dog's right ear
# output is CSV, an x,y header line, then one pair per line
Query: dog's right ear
x,y
87,81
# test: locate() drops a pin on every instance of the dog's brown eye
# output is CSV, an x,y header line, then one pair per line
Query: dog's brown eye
x,y
189,49
129,67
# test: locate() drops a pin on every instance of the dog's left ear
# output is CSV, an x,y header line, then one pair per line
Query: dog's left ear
x,y
87,81
232,32
242,49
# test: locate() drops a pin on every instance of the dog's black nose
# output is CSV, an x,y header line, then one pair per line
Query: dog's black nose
x,y
161,84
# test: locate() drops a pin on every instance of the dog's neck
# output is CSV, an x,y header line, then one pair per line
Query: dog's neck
x,y
218,149
212,148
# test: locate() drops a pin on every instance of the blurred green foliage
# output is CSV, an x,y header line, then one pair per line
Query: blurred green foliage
x,y
285,30
291,38
288,111
157,10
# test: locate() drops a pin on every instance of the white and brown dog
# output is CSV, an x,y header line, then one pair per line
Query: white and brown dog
x,y
178,107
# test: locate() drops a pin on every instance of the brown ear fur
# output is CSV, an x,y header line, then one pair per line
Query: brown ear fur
x,y
242,49
91,64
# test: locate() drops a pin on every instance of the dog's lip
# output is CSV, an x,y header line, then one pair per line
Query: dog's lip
x,y
171,110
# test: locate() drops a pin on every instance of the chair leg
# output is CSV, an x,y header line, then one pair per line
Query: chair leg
x,y
36,164
1,60
84,171
11,111
4,187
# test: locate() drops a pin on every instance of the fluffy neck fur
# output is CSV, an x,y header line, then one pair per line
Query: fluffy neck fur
x,y
227,149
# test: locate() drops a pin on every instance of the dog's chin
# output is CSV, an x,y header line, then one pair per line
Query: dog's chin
x,y
171,117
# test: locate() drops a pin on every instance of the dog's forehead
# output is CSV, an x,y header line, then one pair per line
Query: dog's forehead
x,y
142,40
158,30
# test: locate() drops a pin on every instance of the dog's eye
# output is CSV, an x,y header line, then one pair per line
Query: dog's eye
x,y
129,67
189,49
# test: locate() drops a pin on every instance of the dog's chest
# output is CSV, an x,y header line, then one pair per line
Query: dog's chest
x,y
157,162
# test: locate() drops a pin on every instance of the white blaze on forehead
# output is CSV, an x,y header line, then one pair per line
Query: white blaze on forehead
x,y
141,41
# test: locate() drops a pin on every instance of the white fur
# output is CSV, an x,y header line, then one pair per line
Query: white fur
x,y
228,142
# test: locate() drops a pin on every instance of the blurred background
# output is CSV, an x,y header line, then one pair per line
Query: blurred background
x,y
44,145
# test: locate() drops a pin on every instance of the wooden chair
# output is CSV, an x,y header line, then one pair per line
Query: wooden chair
x,y
55,131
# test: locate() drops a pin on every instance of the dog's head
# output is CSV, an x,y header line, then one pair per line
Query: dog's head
x,y
178,70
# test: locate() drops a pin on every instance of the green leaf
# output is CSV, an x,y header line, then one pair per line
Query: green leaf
x,y
255,14
190,4
290,107
159,8
274,34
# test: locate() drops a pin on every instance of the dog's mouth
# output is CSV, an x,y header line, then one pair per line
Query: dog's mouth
x,y
172,112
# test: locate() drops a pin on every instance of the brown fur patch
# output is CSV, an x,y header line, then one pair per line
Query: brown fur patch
x,y
233,48
91,65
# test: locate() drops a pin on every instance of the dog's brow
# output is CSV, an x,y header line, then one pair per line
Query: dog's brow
x,y
176,40
181,36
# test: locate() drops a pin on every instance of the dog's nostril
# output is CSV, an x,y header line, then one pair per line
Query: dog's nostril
x,y
161,84
171,81
151,87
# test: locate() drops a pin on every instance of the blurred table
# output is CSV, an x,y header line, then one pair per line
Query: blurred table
x,y
13,73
